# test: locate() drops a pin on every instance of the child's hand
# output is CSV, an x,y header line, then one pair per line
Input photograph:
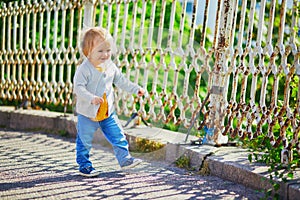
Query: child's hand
x,y
97,100
141,92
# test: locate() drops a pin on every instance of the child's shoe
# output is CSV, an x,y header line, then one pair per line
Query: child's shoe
x,y
89,171
131,163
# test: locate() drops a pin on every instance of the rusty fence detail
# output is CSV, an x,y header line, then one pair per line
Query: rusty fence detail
x,y
39,47
244,53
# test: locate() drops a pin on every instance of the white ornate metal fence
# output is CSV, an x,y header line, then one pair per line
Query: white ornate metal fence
x,y
39,47
251,60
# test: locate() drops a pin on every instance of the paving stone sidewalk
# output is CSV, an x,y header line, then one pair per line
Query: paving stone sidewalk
x,y
42,166
228,163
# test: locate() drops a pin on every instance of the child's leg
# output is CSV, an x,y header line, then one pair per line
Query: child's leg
x,y
114,133
85,133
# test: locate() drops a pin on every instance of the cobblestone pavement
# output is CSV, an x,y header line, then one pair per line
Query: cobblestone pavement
x,y
42,166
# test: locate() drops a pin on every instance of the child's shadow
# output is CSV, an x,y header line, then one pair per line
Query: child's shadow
x,y
114,174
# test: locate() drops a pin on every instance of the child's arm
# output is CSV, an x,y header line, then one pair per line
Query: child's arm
x,y
80,83
122,82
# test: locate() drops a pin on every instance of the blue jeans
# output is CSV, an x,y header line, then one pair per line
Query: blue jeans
x,y
113,132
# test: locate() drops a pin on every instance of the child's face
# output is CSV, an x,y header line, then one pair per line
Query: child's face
x,y
100,53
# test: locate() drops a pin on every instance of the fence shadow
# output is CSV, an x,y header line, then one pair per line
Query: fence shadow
x,y
43,166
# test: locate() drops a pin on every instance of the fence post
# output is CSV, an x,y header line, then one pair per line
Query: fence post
x,y
219,78
88,17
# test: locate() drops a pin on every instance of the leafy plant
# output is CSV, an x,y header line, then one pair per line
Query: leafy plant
x,y
145,145
262,151
183,161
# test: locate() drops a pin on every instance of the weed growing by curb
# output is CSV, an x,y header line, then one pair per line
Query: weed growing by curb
x,y
146,146
183,161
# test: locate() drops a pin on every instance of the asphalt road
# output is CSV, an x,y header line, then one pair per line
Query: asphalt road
x,y
42,166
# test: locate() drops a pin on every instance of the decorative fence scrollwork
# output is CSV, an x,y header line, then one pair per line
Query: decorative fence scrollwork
x,y
251,51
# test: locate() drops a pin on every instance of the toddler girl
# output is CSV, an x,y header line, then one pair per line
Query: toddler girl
x,y
93,87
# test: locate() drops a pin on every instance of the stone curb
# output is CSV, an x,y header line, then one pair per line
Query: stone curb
x,y
229,163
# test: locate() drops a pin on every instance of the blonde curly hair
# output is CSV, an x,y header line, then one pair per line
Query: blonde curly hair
x,y
91,35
